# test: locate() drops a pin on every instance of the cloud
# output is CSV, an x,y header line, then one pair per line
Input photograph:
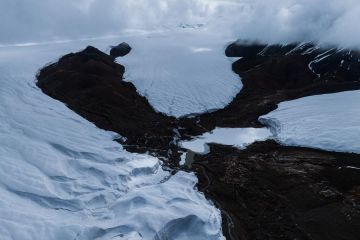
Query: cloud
x,y
35,20
329,21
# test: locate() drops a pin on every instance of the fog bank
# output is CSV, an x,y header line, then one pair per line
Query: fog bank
x,y
329,21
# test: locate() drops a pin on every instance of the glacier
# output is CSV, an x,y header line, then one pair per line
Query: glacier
x,y
183,71
63,178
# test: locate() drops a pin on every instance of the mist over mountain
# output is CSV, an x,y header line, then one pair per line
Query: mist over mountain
x,y
326,21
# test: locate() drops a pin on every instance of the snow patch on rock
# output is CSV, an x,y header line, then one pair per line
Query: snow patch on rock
x,y
330,122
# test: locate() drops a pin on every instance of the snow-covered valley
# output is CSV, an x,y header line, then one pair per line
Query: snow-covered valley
x,y
177,120
63,178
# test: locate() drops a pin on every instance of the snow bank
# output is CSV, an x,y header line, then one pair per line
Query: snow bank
x,y
62,178
238,137
330,122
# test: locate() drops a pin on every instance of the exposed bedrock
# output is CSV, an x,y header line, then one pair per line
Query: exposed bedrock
x,y
275,73
267,191
90,83
271,191
120,50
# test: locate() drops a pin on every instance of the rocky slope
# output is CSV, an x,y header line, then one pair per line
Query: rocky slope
x,y
275,73
266,191
89,82
269,191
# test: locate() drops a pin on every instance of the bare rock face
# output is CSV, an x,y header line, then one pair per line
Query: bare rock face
x,y
90,83
275,73
120,50
331,63
269,191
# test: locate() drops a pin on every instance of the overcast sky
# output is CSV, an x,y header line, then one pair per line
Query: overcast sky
x,y
333,21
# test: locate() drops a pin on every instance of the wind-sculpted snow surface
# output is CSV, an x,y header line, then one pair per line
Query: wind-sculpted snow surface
x,y
182,72
330,122
63,178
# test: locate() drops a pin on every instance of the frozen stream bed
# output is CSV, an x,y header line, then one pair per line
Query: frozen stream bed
x,y
63,178
237,137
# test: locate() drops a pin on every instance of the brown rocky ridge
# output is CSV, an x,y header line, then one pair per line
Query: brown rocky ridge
x,y
266,191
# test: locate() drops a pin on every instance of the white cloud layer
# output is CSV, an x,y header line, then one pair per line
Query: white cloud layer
x,y
329,21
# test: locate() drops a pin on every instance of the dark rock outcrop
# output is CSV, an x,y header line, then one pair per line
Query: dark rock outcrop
x,y
275,73
269,191
120,50
90,83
